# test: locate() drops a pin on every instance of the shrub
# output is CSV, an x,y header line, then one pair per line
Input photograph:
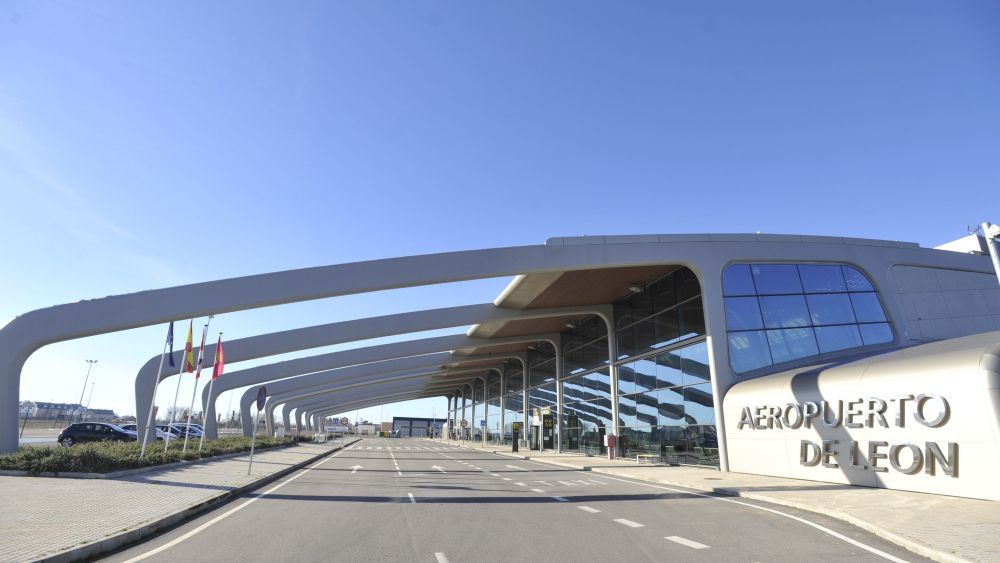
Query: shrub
x,y
105,457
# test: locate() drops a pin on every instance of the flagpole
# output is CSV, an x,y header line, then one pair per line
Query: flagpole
x,y
152,402
201,442
197,376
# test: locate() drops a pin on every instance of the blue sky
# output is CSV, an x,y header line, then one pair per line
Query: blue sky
x,y
146,145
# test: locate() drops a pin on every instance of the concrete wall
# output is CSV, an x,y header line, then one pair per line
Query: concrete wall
x,y
941,303
965,372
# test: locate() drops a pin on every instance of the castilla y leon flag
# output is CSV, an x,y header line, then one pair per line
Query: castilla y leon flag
x,y
220,359
189,350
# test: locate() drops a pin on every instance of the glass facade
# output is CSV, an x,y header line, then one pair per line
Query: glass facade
x,y
665,403
778,313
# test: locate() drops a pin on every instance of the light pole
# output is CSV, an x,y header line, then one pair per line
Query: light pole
x,y
90,364
89,397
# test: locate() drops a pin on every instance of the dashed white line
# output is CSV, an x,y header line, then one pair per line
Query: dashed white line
x,y
506,478
588,509
538,490
412,500
686,542
629,523
520,484
561,499
440,557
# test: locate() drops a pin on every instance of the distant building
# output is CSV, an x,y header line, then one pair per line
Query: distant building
x,y
99,415
409,427
26,409
57,411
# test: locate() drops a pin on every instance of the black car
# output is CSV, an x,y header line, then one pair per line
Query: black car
x,y
94,432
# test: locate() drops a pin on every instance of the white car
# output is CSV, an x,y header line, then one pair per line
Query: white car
x,y
160,434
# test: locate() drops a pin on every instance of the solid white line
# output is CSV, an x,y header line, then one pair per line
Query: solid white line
x,y
561,499
687,542
629,523
412,500
588,509
441,558
538,490
230,512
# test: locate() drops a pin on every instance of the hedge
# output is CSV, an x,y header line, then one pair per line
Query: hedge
x,y
105,457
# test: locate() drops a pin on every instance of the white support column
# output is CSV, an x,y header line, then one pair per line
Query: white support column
x,y
460,429
486,406
472,423
559,396
503,402
524,400
609,321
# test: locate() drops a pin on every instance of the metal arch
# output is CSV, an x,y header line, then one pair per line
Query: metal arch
x,y
397,392
335,333
384,351
321,380
295,398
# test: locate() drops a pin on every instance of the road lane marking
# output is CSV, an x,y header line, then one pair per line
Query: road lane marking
x,y
538,490
494,474
546,483
440,557
355,469
438,467
561,499
412,500
598,482
520,484
231,511
516,467
588,509
687,542
506,478
823,529
629,523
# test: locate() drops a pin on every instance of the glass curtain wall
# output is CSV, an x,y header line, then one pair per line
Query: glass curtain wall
x,y
513,400
664,389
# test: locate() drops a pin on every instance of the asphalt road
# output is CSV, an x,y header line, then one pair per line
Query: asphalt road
x,y
417,500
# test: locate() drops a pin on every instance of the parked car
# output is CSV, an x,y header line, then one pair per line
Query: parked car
x,y
193,432
160,433
94,432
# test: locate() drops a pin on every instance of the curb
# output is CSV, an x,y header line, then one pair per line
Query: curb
x,y
112,543
906,543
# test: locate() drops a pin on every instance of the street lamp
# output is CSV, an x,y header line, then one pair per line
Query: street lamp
x,y
90,364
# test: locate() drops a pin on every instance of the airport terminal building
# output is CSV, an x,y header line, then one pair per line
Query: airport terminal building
x,y
834,359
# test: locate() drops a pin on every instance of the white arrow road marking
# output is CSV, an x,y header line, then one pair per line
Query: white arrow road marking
x,y
629,523
355,468
516,467
588,509
438,467
687,542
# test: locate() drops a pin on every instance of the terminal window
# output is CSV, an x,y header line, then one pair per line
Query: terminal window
x,y
778,313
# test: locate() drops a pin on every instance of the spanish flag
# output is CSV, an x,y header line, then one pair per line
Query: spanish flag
x,y
189,350
220,359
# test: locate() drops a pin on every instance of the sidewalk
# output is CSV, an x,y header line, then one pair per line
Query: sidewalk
x,y
942,528
69,519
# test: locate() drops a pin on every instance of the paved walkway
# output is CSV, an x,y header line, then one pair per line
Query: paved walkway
x,y
939,527
41,517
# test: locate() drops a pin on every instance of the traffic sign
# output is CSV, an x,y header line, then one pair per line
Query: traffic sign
x,y
261,397
465,423
517,427
482,422
344,421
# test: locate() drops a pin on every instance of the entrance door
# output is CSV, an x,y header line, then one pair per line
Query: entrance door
x,y
547,435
